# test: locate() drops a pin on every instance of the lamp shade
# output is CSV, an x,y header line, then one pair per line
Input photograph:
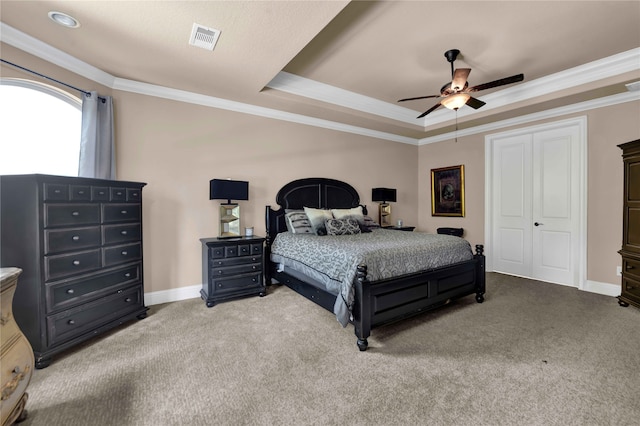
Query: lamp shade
x,y
383,194
221,189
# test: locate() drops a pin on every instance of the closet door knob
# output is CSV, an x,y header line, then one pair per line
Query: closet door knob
x,y
538,224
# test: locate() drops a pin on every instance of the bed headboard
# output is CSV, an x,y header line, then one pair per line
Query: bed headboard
x,y
319,193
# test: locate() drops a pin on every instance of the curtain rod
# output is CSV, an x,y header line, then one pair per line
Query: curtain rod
x,y
50,78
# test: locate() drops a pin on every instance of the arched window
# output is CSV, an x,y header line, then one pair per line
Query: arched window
x,y
39,129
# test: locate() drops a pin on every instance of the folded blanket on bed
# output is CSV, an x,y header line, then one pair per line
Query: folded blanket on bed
x,y
333,259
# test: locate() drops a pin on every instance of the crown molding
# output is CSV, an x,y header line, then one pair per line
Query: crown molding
x,y
542,115
42,50
582,74
603,68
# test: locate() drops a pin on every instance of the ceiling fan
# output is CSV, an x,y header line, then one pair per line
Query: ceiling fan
x,y
457,93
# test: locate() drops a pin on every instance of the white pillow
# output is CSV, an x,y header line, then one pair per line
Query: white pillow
x,y
355,213
317,217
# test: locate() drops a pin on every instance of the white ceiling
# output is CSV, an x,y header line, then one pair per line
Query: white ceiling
x,y
344,64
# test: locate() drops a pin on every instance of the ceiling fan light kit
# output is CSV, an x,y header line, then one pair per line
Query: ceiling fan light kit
x,y
454,95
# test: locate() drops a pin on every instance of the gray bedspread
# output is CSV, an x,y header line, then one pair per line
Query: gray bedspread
x,y
332,260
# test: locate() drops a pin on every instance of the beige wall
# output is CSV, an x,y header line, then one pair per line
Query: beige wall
x,y
606,128
176,148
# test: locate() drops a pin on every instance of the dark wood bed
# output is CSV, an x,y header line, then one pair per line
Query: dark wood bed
x,y
376,302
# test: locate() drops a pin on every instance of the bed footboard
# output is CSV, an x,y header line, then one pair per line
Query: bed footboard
x,y
385,301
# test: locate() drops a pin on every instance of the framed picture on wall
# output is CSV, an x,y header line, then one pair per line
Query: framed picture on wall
x,y
447,191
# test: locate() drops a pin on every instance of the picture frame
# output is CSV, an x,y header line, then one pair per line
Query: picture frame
x,y
447,191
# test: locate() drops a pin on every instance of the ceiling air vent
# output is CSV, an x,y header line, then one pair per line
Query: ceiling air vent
x,y
204,37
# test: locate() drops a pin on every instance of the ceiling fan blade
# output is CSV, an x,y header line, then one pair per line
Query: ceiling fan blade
x,y
419,97
496,83
433,108
475,103
460,78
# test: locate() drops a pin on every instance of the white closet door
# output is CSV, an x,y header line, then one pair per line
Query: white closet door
x,y
535,209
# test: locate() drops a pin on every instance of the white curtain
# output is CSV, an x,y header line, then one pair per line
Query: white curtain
x,y
97,149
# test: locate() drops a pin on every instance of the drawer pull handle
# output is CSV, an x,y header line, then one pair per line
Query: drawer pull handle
x,y
119,193
57,191
123,252
12,384
630,267
127,275
71,322
123,232
76,262
70,291
81,192
219,272
101,192
254,267
75,213
123,211
75,238
254,280
128,300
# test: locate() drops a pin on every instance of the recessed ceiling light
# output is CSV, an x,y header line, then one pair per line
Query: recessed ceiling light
x,y
64,19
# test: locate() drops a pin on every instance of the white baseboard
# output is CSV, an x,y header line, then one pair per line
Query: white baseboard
x,y
173,295
606,289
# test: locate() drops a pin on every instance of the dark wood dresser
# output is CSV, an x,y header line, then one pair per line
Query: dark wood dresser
x,y
79,244
232,268
630,251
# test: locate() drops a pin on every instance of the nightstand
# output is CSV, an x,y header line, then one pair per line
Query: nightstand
x,y
232,268
400,228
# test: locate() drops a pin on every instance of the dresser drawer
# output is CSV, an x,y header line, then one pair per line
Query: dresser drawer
x,y
238,282
80,192
134,194
71,264
631,287
235,270
121,213
631,268
56,241
100,193
71,214
113,234
72,323
56,192
63,295
122,254
117,194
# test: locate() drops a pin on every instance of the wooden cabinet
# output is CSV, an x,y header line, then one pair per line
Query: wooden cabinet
x,y
232,268
16,364
79,244
630,251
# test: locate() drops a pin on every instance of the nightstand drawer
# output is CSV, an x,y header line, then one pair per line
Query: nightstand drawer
x,y
121,213
215,263
74,322
237,282
249,249
122,254
71,264
113,234
235,270
71,214
66,294
56,241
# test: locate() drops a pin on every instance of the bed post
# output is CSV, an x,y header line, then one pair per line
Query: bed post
x,y
267,248
362,308
480,273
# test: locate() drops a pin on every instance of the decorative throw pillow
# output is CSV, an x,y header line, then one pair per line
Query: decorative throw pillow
x,y
342,227
317,217
370,223
298,222
355,213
